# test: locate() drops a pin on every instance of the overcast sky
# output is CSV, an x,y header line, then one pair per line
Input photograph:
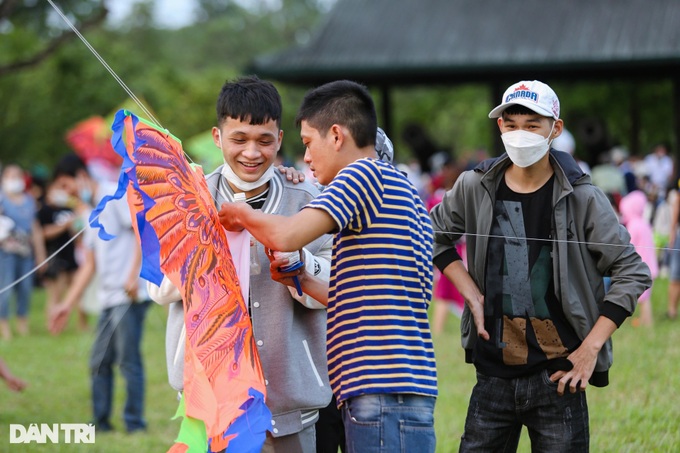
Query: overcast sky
x,y
169,13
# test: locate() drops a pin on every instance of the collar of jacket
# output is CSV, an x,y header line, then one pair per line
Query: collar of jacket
x,y
567,171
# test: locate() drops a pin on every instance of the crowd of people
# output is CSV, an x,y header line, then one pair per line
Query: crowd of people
x,y
542,257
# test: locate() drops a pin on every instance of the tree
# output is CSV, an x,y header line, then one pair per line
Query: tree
x,y
31,34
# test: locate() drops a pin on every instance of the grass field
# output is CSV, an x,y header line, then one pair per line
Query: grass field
x,y
638,412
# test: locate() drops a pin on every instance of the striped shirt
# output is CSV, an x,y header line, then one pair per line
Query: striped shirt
x,y
380,286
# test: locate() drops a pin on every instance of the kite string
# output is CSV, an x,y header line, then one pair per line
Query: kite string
x,y
561,241
491,236
118,79
141,106
218,190
108,68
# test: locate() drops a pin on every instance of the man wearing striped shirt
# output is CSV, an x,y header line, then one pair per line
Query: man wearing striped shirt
x,y
380,354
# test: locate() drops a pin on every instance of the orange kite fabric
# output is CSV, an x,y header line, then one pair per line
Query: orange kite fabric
x,y
181,237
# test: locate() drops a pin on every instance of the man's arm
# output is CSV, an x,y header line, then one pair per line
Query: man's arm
x,y
38,242
675,211
132,282
474,299
13,382
83,276
277,232
584,358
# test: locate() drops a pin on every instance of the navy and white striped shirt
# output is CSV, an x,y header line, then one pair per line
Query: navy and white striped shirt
x,y
379,338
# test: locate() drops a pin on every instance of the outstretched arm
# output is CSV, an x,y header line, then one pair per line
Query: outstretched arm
x,y
277,232
60,314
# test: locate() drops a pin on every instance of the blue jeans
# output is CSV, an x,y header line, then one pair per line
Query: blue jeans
x,y
389,423
12,267
118,340
500,407
674,259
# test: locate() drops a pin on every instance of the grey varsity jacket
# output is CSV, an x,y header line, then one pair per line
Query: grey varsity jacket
x,y
290,336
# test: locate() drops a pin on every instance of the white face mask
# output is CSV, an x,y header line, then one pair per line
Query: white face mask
x,y
526,148
237,182
13,185
59,197
245,186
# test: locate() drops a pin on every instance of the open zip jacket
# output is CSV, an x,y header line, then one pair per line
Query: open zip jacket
x,y
590,243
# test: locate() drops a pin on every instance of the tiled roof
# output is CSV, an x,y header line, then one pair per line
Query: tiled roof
x,y
413,41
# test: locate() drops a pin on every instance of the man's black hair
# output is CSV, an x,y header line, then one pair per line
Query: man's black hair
x,y
342,102
249,99
517,109
69,165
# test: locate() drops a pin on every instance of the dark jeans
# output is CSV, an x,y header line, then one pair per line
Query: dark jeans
x,y
500,407
330,431
118,340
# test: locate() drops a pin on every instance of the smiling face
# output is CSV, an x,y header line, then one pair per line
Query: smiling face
x,y
249,149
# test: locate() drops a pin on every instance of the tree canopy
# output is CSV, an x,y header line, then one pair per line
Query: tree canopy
x,y
49,80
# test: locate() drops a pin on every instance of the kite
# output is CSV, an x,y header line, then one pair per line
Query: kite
x,y
176,221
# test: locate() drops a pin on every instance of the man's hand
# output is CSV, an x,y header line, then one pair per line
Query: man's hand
x,y
477,308
131,287
292,174
230,215
474,299
285,278
58,318
584,359
14,383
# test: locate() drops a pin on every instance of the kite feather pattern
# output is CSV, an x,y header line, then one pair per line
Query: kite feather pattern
x,y
181,237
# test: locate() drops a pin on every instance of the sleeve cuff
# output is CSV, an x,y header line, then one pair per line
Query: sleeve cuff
x,y
444,259
616,313
164,294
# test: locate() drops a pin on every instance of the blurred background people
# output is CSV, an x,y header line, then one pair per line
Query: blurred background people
x,y
60,220
632,209
121,294
19,250
446,297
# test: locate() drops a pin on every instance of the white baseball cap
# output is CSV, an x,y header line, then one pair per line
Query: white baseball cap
x,y
533,95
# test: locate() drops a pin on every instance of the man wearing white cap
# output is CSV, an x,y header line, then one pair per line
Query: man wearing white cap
x,y
537,322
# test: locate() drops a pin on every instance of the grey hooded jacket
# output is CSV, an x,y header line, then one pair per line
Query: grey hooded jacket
x,y
589,243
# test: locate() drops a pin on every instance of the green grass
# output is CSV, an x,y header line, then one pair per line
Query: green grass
x,y
637,412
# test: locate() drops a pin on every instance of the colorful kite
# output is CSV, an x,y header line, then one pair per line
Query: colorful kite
x,y
181,236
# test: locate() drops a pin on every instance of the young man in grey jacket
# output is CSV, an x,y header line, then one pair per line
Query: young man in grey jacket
x,y
540,239
289,329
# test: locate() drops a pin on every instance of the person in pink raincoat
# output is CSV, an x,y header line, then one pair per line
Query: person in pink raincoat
x,y
632,208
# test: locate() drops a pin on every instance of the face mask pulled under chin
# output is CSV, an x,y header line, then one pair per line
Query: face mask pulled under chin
x,y
525,148
246,186
237,182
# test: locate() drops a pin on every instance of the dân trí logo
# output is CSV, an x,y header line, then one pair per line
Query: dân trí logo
x,y
68,433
